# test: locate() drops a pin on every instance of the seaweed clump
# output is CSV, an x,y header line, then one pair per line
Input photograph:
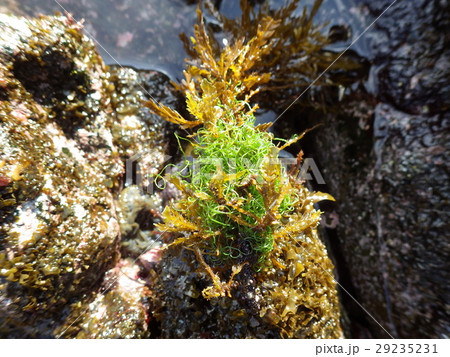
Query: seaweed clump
x,y
294,54
249,221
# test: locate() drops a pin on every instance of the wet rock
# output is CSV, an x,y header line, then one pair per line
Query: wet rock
x,y
118,310
142,138
392,193
68,125
296,299
138,213
411,56
58,225
383,160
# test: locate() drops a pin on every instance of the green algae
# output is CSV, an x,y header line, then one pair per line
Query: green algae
x,y
249,223
61,118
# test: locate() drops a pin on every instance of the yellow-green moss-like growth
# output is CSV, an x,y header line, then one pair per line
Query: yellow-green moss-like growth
x,y
238,200
250,222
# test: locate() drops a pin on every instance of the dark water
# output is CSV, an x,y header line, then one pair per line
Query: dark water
x,y
144,33
138,33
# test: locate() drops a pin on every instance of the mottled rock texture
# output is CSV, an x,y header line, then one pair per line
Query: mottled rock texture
x,y
298,300
383,158
68,124
73,132
117,310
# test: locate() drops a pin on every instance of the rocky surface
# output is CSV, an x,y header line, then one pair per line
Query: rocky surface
x,y
296,299
118,310
75,133
383,159
58,226
68,125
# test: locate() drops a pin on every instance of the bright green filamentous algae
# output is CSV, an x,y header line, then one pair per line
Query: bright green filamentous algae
x,y
239,203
